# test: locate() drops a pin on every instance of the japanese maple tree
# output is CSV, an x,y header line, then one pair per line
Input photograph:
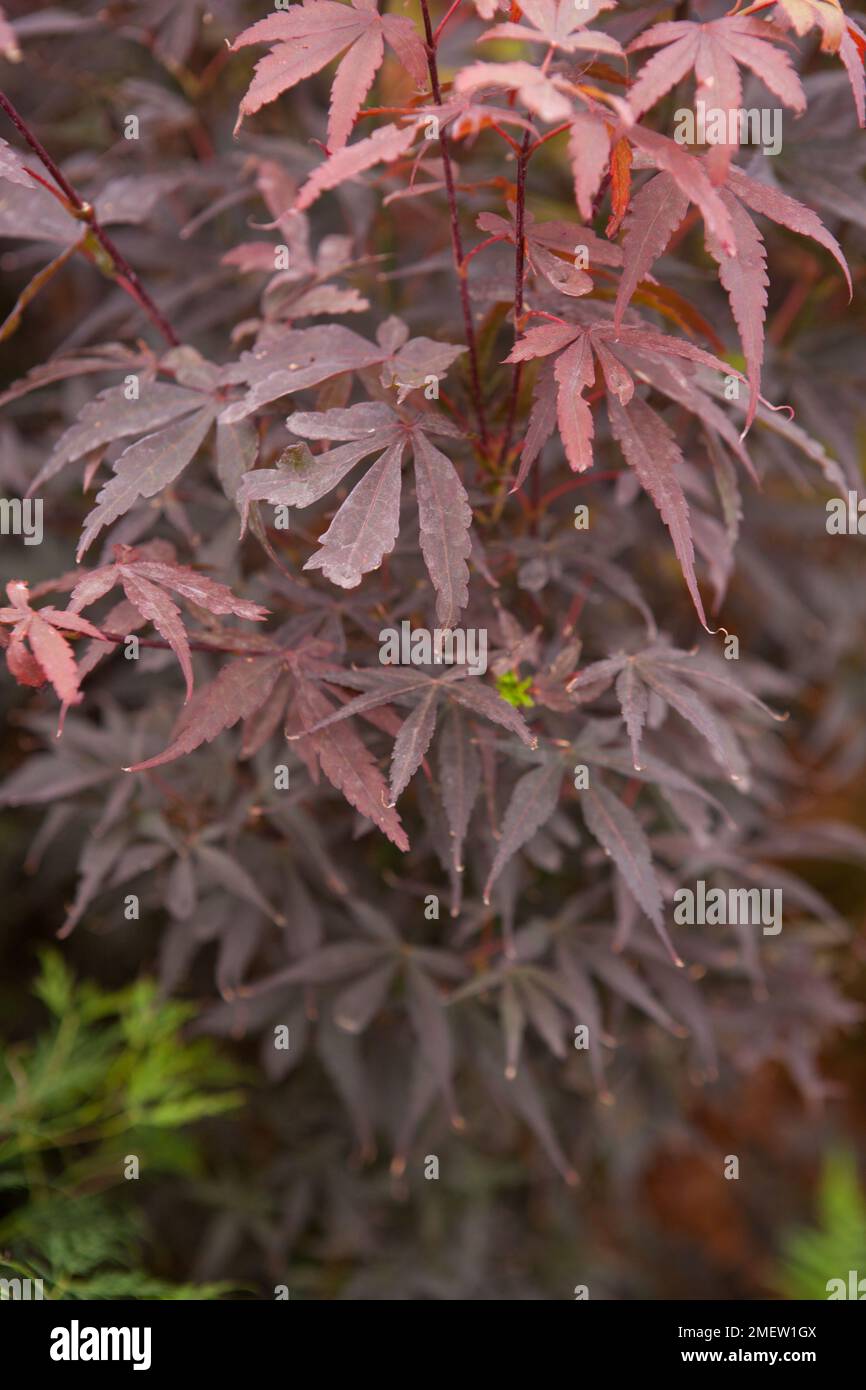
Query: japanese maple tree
x,y
388,314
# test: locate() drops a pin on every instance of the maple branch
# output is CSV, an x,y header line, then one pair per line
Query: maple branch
x,y
196,646
483,245
543,314
583,480
441,25
509,139
543,139
29,293
83,211
456,238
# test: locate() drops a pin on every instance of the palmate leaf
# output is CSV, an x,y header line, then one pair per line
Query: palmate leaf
x,y
715,730
596,144
99,358
559,24
356,1005
657,211
47,778
55,658
347,763
444,517
672,675
458,763
634,703
28,210
542,240
714,51
619,832
482,700
651,449
234,878
156,563
145,468
112,415
533,802
459,768
426,1009
294,361
547,96
145,574
654,215
412,742
575,373
11,167
50,657
521,1094
787,212
239,689
589,155
647,443
382,147
692,176
839,34
311,35
366,527
456,686
745,280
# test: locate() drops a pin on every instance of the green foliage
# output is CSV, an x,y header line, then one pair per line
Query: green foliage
x,y
813,1255
111,1076
515,690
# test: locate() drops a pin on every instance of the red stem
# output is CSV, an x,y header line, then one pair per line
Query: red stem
x,y
583,481
508,138
483,245
83,212
192,643
456,238
566,125
441,25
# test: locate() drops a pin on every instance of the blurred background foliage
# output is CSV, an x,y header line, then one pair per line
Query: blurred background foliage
x,y
107,1093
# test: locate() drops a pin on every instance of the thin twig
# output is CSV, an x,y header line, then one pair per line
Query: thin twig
x,y
30,291
83,211
441,25
456,238
196,646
